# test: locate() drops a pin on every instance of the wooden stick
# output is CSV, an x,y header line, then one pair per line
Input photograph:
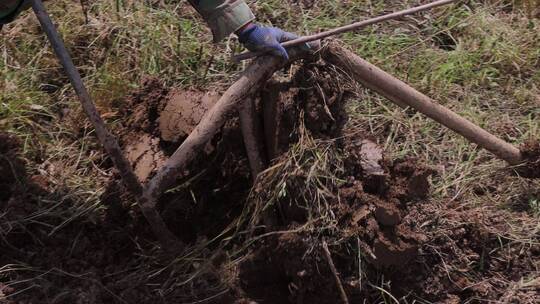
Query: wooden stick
x,y
251,133
328,256
348,28
109,142
270,109
400,93
249,82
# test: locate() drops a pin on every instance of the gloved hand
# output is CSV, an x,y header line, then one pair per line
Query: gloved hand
x,y
258,38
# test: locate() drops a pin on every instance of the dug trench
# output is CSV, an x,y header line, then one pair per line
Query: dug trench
x,y
324,182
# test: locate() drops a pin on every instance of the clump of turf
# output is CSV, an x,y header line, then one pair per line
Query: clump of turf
x,y
530,150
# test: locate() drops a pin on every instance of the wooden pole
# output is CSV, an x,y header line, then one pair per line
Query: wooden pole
x,y
252,134
109,142
400,93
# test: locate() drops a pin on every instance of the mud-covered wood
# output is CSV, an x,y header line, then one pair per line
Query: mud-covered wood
x,y
269,100
402,94
252,135
250,81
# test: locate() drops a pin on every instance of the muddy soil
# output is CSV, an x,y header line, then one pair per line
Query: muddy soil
x,y
183,112
387,233
211,192
383,230
531,154
12,173
291,267
439,252
103,259
394,237
158,119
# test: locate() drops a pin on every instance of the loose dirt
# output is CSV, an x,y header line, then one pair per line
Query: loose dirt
x,y
291,266
531,154
385,234
101,259
156,121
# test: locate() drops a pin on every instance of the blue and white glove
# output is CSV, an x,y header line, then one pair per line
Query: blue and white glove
x,y
258,38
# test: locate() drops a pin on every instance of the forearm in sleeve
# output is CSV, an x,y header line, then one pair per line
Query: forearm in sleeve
x,y
224,17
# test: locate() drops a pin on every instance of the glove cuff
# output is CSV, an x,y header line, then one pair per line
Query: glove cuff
x,y
243,36
228,18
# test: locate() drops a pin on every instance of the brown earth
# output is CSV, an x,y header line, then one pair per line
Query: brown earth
x,y
105,259
290,267
183,112
12,174
438,252
383,230
157,120
144,155
531,154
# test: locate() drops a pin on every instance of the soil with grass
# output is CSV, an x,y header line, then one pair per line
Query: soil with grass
x,y
389,240
531,154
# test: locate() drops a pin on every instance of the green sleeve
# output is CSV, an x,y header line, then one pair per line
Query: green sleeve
x,y
224,17
9,9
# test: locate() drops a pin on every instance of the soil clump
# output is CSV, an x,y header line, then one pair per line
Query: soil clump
x,y
183,111
531,155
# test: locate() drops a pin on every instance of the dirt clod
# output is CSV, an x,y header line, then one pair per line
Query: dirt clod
x,y
371,158
144,154
391,253
387,214
183,111
531,155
